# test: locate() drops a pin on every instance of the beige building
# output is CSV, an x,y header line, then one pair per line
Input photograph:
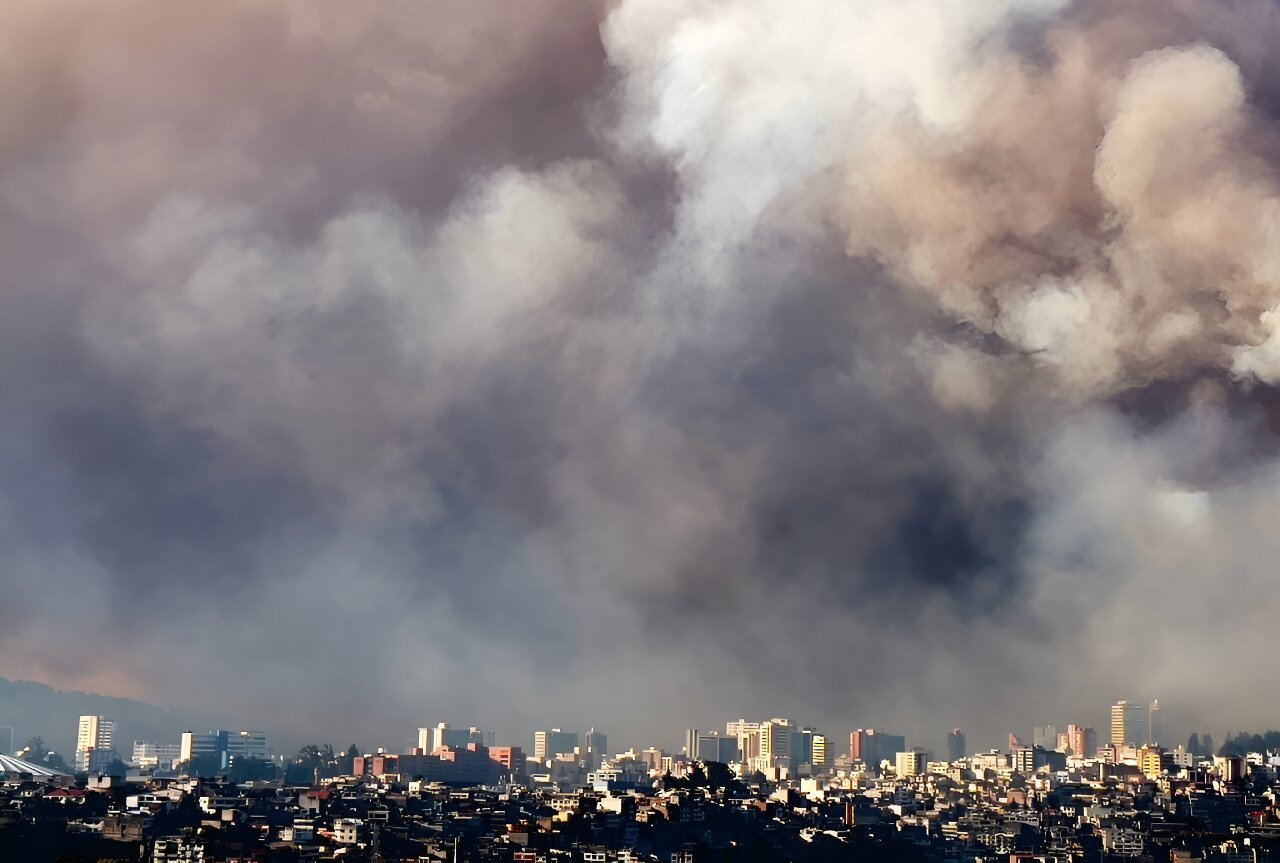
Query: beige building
x,y
1128,723
911,763
95,739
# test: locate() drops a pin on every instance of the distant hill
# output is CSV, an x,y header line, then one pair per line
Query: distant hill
x,y
36,709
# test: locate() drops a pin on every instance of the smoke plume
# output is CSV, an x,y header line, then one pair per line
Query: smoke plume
x,y
641,364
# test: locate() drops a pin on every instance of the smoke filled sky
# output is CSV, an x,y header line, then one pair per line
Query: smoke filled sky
x,y
642,364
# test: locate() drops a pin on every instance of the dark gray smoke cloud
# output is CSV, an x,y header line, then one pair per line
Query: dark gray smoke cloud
x,y
908,364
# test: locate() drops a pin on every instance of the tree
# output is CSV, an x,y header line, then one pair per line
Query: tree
x,y
311,759
205,765
37,753
346,764
719,775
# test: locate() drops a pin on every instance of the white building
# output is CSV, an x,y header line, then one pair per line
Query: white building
x,y
911,763
221,747
247,744
1122,841
775,744
148,754
818,756
346,831
94,743
177,849
431,739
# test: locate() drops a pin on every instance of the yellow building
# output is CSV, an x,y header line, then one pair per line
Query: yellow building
x,y
1151,761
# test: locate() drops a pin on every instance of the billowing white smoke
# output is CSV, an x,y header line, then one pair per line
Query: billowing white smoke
x,y
1107,214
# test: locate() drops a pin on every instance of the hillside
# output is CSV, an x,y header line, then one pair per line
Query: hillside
x,y
37,709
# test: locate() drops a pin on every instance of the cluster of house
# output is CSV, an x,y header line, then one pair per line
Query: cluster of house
x,y
979,808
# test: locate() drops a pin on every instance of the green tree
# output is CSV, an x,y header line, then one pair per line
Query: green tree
x,y
35,751
347,762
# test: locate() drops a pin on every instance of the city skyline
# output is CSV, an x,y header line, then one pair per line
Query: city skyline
x,y
776,794
542,744
780,747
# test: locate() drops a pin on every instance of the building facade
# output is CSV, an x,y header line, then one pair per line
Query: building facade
x,y
1128,723
95,743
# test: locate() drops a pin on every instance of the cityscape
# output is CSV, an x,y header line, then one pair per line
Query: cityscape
x,y
639,431
757,790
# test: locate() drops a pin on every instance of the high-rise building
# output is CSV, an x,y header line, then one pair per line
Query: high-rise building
x,y
1157,734
818,751
440,735
194,745
1082,741
776,744
691,742
7,743
549,744
1151,761
801,747
1045,736
511,758
246,744
217,749
872,747
748,736
94,738
714,747
955,745
1128,723
595,748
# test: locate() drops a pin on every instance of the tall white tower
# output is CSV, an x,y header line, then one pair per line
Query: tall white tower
x,y
94,743
1157,734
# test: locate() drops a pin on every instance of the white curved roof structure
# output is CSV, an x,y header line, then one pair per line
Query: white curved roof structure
x,y
17,765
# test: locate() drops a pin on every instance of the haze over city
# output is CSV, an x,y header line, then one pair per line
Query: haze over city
x,y
641,364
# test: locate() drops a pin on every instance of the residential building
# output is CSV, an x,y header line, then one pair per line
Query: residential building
x,y
1151,761
911,762
94,743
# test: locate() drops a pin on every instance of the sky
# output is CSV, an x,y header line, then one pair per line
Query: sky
x,y
642,364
